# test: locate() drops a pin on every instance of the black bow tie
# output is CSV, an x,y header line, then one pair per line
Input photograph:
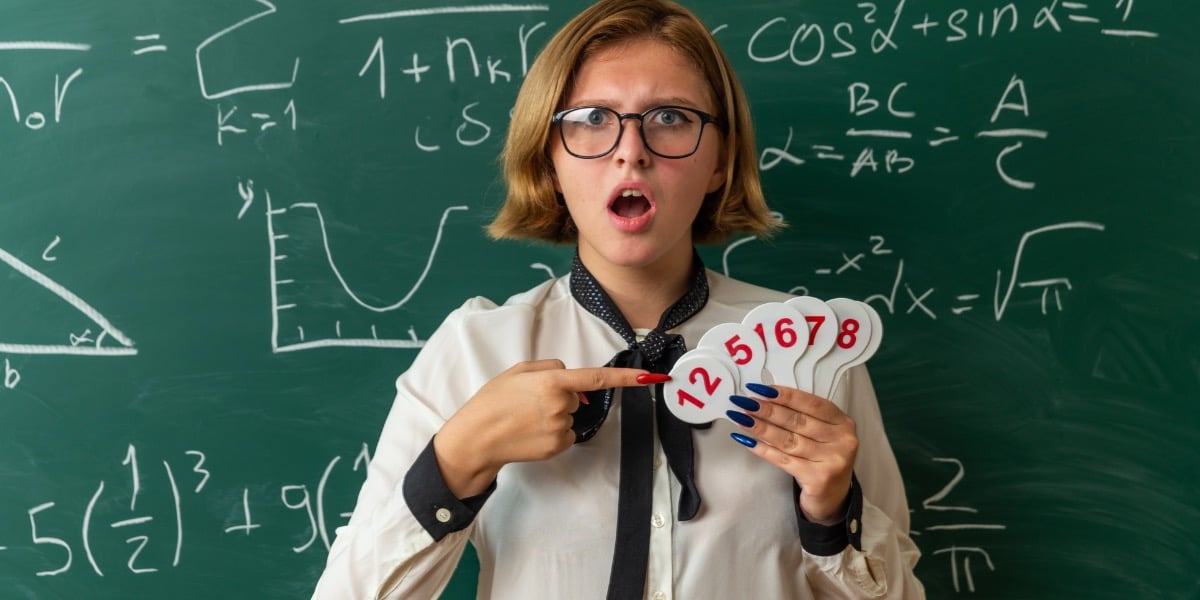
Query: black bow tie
x,y
657,352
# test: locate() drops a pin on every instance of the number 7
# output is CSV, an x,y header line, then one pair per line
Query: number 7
x,y
814,325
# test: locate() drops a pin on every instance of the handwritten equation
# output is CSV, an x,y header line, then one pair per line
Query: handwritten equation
x,y
183,479
896,160
882,31
876,29
919,300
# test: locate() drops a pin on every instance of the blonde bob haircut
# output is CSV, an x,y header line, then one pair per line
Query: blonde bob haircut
x,y
532,208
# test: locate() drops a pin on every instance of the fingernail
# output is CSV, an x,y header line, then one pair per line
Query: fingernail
x,y
582,398
740,418
763,390
744,403
746,441
653,378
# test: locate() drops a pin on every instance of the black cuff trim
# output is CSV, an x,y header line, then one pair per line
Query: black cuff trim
x,y
828,540
432,503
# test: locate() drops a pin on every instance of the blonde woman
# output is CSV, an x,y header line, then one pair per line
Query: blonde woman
x,y
630,139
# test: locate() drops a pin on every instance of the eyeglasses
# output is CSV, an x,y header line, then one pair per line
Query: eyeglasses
x,y
667,131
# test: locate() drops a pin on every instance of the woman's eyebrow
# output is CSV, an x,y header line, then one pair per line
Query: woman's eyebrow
x,y
652,103
591,102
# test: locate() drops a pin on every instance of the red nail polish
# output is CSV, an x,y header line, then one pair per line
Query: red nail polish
x,y
653,378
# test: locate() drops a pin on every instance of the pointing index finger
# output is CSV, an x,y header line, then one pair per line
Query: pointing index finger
x,y
599,378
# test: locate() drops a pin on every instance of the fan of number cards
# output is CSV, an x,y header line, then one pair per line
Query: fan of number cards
x,y
806,343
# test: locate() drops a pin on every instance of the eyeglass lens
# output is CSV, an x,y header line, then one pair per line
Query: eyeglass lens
x,y
592,131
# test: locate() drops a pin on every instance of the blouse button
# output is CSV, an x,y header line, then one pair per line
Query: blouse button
x,y
442,515
853,526
660,595
657,520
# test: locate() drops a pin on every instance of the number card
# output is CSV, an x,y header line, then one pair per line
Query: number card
x,y
743,347
853,337
700,387
822,335
806,343
868,351
784,333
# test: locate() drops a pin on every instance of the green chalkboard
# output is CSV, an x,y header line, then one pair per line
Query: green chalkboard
x,y
225,227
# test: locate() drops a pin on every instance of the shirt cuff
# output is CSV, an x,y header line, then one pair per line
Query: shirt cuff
x,y
432,503
828,540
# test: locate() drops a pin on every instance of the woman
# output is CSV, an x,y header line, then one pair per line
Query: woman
x,y
630,138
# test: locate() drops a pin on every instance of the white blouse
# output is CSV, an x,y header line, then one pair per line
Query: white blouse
x,y
548,528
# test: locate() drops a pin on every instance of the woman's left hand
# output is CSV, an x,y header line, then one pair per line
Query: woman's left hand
x,y
811,439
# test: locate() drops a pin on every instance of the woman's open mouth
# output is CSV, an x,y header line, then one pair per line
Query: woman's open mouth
x,y
631,204
631,207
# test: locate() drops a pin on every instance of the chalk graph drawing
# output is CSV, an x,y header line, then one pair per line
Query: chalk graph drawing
x,y
335,314
107,341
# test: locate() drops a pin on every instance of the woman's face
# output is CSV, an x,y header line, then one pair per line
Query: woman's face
x,y
634,209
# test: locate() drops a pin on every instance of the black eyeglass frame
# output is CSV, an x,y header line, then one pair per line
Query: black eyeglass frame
x,y
705,119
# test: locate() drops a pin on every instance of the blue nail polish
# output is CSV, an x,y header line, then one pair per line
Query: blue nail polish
x,y
762,390
740,418
744,403
746,441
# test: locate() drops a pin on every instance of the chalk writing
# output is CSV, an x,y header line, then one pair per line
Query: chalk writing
x,y
36,119
150,47
244,88
899,160
918,299
282,305
80,345
956,552
879,32
144,551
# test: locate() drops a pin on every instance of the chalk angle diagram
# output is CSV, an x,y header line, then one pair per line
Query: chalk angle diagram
x,y
101,338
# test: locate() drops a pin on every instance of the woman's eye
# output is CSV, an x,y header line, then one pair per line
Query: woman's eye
x,y
670,117
595,117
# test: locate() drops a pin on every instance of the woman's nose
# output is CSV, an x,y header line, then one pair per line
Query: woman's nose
x,y
630,146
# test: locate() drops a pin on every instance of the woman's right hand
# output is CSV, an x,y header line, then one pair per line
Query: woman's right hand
x,y
523,414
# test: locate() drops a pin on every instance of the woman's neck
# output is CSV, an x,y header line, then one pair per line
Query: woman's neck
x,y
643,294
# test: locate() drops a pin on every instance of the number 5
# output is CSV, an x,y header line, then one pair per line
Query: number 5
x,y
47,540
735,349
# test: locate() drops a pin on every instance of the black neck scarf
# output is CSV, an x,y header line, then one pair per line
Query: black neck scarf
x,y
657,353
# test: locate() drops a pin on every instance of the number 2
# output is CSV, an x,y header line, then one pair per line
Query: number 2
x,y
710,383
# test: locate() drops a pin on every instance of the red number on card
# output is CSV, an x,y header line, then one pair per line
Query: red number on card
x,y
814,325
684,396
785,336
740,353
849,335
784,333
710,383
